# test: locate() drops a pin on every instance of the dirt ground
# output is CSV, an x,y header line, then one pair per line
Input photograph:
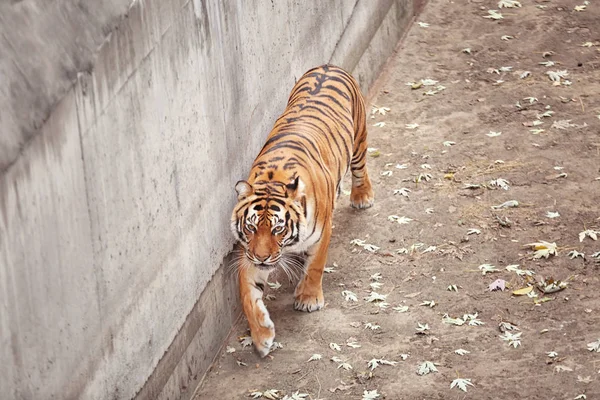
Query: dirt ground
x,y
555,170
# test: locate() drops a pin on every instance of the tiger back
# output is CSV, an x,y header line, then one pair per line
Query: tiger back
x,y
285,207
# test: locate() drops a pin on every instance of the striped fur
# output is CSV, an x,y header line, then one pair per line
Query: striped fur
x,y
286,205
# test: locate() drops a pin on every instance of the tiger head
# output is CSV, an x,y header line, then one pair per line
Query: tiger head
x,y
269,220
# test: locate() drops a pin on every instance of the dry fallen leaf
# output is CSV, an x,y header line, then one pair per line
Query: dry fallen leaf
x,y
296,396
374,297
402,191
271,394
370,395
372,327
592,234
521,272
549,285
401,220
487,268
349,296
245,341
556,76
509,4
452,321
428,303
498,284
426,368
375,362
501,183
543,249
585,380
493,14
574,254
380,110
361,243
513,339
562,368
522,291
507,204
594,346
461,383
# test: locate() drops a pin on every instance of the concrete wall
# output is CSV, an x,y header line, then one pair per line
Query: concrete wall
x,y
43,44
114,211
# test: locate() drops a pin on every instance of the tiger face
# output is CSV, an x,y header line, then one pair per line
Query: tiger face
x,y
269,220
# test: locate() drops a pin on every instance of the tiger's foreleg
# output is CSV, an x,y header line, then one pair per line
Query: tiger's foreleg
x,y
309,292
252,286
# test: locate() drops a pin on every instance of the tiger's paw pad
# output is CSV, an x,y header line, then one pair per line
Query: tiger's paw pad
x,y
362,198
263,340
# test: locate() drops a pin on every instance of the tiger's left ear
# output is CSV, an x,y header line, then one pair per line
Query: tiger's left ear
x,y
243,189
295,189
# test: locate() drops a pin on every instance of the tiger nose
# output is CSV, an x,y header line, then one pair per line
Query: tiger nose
x,y
261,258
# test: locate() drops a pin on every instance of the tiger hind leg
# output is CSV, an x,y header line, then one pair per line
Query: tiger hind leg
x,y
362,195
309,292
252,284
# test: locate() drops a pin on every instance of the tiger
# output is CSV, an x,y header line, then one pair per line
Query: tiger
x,y
285,207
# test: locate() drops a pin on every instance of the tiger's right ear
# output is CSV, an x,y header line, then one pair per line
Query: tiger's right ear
x,y
243,189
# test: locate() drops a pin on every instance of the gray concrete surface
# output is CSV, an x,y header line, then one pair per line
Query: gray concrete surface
x,y
117,176
43,45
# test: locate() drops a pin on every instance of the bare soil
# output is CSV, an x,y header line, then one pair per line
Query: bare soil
x,y
442,210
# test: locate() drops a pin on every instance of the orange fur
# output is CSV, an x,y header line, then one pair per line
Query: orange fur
x,y
286,205
262,328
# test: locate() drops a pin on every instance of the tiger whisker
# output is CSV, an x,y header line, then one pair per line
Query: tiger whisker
x,y
287,270
232,268
292,265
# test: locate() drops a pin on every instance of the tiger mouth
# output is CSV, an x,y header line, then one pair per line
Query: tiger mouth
x,y
265,267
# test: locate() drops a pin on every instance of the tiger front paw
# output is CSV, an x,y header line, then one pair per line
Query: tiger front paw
x,y
262,328
263,338
308,298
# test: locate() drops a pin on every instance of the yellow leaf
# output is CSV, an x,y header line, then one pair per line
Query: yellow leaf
x,y
522,291
449,176
542,300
